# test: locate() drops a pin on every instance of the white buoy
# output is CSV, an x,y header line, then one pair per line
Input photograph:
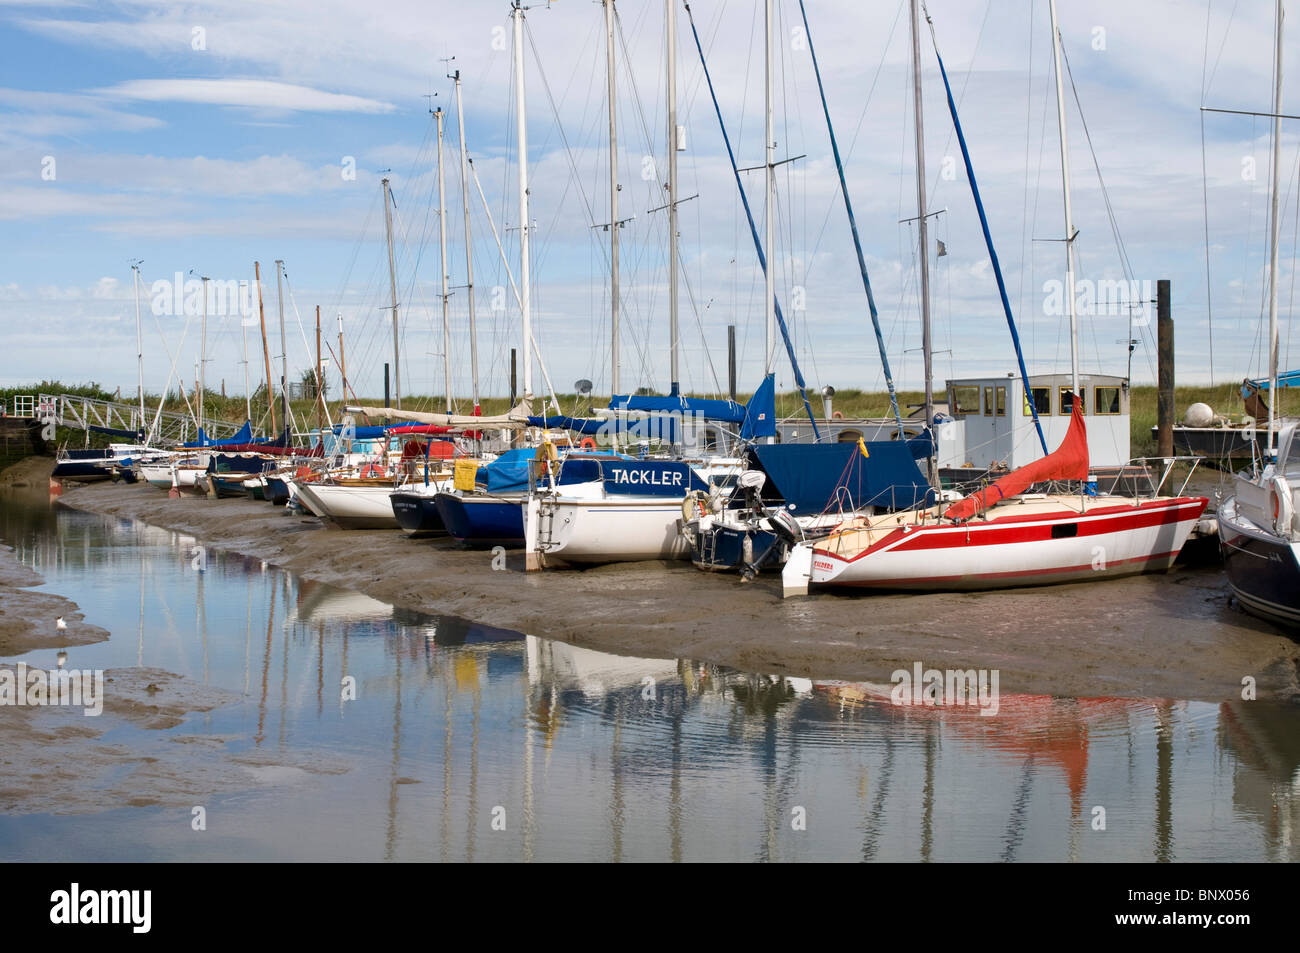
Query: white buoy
x,y
1199,415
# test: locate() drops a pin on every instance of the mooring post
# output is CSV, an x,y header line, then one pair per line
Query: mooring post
x,y
1165,371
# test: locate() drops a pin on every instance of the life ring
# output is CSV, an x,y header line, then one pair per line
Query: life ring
x,y
695,505
373,471
1283,507
838,415
588,443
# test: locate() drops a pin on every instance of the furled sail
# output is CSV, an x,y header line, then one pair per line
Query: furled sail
x,y
515,419
1068,462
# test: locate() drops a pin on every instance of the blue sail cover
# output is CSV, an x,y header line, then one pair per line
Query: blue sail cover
x,y
757,418
508,472
244,435
812,478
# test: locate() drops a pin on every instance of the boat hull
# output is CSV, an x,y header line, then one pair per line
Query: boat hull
x,y
1009,551
417,513
351,507
1262,568
481,522
612,531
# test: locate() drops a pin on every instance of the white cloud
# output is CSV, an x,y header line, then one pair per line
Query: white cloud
x,y
254,93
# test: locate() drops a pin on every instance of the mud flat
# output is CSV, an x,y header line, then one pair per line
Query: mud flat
x,y
29,620
59,760
1159,636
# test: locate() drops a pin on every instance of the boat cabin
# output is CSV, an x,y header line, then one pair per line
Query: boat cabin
x,y
993,426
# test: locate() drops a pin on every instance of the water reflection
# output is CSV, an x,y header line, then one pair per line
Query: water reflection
x,y
466,742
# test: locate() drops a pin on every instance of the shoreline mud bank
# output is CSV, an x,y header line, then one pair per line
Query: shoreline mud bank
x,y
1156,636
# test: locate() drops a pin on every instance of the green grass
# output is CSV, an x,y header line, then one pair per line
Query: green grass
x,y
1225,399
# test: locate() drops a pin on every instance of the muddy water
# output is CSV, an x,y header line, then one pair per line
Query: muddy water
x,y
466,742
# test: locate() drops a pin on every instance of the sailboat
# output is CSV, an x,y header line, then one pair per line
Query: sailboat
x,y
1003,536
1259,530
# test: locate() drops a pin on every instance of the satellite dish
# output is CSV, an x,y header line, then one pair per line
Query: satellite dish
x,y
828,391
752,480
583,386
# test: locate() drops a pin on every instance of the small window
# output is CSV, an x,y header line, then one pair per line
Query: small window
x,y
1067,406
1065,530
848,435
1106,400
1000,403
965,400
988,401
1042,397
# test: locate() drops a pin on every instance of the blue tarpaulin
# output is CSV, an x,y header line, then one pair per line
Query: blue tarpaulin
x,y
814,478
245,435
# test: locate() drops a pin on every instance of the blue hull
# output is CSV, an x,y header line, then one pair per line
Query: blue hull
x,y
417,513
1263,574
722,549
482,523
276,491
82,471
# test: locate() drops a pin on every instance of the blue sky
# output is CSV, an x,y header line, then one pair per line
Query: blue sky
x,y
205,136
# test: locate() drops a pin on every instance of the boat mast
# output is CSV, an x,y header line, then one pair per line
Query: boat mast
x,y
922,222
139,346
442,249
243,331
203,347
284,349
1273,235
392,286
671,28
1070,233
615,382
266,351
469,251
525,267
769,201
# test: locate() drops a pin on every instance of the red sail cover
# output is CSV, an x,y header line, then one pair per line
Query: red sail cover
x,y
1068,462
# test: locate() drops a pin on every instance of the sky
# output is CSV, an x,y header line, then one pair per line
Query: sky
x,y
197,138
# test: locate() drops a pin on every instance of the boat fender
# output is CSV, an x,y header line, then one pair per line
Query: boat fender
x,y
694,505
1283,507
546,456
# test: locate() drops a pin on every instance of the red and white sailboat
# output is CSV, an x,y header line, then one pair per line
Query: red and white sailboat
x,y
1002,536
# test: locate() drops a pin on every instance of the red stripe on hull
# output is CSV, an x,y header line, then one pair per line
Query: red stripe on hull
x,y
1030,529
1032,577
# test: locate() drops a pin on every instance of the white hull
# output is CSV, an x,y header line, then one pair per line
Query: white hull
x,y
1010,549
601,531
351,507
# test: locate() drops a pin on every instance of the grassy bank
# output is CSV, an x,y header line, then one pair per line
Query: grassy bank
x,y
1225,399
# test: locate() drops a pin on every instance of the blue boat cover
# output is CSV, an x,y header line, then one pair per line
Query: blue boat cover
x,y
813,478
245,435
757,418
136,435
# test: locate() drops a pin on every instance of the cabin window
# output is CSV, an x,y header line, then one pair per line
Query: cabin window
x,y
1067,405
1065,530
1106,400
1042,398
848,436
1000,402
965,400
988,401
